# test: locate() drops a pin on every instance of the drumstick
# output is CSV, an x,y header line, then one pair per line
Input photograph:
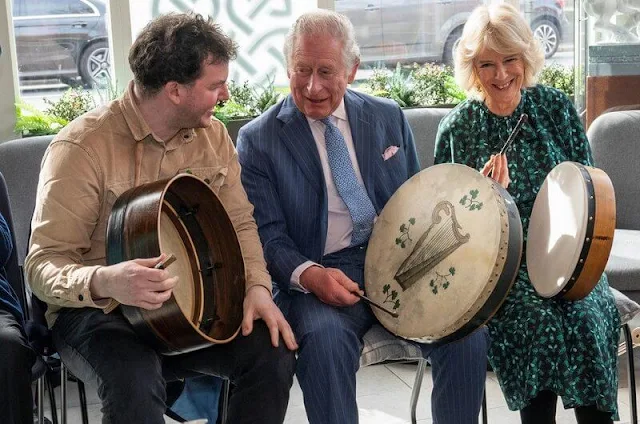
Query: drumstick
x,y
523,118
167,261
382,308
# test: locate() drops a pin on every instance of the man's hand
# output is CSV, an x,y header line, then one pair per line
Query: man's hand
x,y
331,286
498,169
135,283
259,304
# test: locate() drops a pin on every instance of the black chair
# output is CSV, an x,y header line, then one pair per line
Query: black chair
x,y
38,335
19,165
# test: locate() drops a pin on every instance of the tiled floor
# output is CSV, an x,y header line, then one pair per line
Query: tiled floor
x,y
383,398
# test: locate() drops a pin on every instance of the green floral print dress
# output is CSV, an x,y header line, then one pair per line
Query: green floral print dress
x,y
568,347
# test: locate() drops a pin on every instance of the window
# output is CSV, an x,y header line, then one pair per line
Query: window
x,y
259,28
60,44
420,31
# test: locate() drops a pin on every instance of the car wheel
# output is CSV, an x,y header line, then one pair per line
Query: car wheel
x,y
549,36
95,65
450,46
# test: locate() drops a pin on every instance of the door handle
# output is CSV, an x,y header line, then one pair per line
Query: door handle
x,y
371,8
79,25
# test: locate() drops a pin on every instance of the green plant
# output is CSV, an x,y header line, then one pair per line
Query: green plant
x,y
246,101
436,85
230,110
560,77
402,89
108,92
377,83
241,94
32,122
267,97
421,85
73,103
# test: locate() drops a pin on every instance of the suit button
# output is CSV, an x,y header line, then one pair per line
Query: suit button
x,y
80,297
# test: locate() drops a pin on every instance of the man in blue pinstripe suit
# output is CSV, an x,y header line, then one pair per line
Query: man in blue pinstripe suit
x,y
314,237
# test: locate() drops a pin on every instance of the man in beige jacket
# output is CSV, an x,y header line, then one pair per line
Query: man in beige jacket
x,y
160,127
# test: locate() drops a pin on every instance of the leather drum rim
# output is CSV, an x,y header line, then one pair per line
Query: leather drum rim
x,y
599,238
132,232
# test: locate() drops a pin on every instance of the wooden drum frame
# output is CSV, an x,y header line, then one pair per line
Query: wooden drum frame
x,y
182,216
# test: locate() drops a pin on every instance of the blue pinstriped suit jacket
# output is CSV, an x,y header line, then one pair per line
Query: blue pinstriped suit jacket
x,y
283,177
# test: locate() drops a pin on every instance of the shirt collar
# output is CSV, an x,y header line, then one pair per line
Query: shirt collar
x,y
139,127
339,113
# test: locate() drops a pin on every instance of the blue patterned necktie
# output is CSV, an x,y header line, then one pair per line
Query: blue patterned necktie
x,y
352,193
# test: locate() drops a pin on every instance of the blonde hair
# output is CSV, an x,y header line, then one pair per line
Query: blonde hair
x,y
499,27
323,22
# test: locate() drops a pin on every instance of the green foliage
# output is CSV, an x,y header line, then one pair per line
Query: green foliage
x,y
436,85
231,109
31,122
73,103
402,89
241,94
246,101
397,85
560,77
109,92
377,84
419,85
267,97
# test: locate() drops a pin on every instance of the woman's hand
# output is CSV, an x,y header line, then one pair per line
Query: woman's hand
x,y
498,169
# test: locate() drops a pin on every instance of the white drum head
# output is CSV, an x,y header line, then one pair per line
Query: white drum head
x,y
174,238
433,251
557,229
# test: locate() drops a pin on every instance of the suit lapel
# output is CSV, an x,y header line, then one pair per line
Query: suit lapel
x,y
298,139
362,132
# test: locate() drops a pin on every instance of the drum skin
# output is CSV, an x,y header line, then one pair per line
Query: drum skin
x,y
571,231
443,254
198,231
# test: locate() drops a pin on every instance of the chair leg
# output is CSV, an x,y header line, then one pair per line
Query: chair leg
x,y
52,398
226,387
415,393
485,418
40,395
83,401
631,374
63,394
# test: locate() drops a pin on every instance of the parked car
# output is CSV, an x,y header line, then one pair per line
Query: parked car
x,y
63,39
390,31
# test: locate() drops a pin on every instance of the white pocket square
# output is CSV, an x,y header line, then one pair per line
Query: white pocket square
x,y
389,152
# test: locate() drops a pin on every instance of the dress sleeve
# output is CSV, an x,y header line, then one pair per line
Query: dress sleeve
x,y
444,147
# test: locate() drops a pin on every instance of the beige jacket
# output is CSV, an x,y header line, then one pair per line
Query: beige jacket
x,y
89,164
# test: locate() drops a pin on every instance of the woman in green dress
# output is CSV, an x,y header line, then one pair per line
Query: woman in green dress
x,y
540,348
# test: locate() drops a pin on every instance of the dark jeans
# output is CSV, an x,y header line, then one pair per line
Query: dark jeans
x,y
16,360
130,376
542,410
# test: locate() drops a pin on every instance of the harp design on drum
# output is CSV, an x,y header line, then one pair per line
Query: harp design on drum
x,y
441,239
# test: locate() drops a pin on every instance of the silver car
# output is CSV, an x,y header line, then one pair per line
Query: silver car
x,y
391,31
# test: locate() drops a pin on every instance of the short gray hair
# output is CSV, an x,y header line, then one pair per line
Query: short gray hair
x,y
320,22
502,28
